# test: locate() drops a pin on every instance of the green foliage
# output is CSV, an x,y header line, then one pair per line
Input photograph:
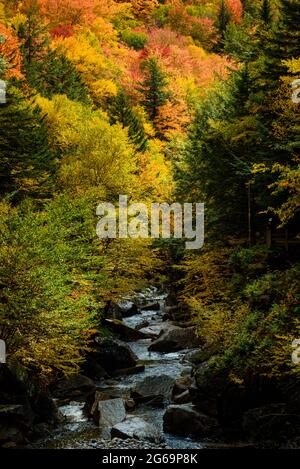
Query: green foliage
x,y
135,40
153,88
121,111
55,74
26,163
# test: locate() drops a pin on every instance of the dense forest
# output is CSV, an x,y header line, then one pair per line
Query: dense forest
x,y
164,101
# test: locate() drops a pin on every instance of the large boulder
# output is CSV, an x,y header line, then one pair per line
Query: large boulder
x,y
124,332
152,387
76,387
273,422
112,354
91,407
16,423
23,409
186,420
137,428
111,412
120,309
175,339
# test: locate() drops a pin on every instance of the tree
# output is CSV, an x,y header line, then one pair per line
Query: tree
x,y
265,12
10,53
224,18
153,88
26,164
32,32
121,111
143,9
55,74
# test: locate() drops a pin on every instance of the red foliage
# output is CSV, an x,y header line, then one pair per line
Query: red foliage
x,y
66,30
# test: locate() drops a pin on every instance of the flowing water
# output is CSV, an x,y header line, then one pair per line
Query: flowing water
x,y
79,432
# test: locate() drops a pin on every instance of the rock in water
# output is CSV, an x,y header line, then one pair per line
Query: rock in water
x,y
111,412
155,306
75,387
112,354
186,420
137,428
121,309
153,386
125,333
175,339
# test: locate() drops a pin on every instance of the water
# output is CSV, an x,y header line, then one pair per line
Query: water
x,y
78,431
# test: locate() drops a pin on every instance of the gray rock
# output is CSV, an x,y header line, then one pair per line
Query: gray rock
x,y
142,325
137,428
174,340
113,354
125,333
76,387
155,306
111,412
153,386
120,309
186,420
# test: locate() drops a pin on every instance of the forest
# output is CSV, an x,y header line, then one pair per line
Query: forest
x,y
188,101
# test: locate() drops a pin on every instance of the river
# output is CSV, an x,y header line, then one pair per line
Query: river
x,y
79,432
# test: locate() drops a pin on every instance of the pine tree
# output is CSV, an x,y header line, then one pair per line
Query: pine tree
x,y
122,112
224,17
283,44
26,164
153,88
265,12
32,32
55,74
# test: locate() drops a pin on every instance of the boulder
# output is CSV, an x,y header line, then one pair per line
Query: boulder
x,y
91,407
111,412
142,325
186,420
16,421
120,309
112,354
175,339
274,422
154,386
128,308
124,332
137,428
182,398
76,387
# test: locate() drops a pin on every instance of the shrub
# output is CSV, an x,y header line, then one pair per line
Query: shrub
x,y
134,40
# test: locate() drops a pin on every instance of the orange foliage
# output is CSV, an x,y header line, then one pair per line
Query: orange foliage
x,y
10,50
236,9
143,9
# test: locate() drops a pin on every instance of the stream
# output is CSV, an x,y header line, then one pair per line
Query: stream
x,y
78,431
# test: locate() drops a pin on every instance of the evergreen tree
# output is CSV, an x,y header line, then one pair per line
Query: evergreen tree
x,y
224,17
283,44
153,88
26,163
32,33
122,112
265,12
55,74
